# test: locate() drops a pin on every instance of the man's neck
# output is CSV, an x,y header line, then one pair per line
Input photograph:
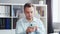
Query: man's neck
x,y
30,20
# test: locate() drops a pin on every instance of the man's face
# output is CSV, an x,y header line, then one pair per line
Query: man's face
x,y
29,12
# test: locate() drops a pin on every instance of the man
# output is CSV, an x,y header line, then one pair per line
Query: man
x,y
29,24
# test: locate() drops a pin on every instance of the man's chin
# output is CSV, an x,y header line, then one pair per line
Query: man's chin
x,y
30,17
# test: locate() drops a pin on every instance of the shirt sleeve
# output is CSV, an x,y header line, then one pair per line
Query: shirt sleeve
x,y
41,29
19,28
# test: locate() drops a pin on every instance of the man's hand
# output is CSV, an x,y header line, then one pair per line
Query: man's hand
x,y
31,29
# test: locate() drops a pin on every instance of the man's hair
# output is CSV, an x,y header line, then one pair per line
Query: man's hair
x,y
28,5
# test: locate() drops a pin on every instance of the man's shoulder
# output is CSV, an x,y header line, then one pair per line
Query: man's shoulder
x,y
21,20
36,19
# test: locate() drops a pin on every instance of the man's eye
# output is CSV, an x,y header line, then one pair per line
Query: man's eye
x,y
31,11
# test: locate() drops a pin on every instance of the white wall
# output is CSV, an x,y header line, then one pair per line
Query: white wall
x,y
59,10
5,1
19,1
55,11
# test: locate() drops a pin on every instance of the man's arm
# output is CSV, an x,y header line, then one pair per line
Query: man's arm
x,y
40,28
19,28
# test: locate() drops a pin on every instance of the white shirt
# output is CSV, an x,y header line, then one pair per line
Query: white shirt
x,y
23,23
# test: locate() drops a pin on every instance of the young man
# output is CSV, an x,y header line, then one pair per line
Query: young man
x,y
29,24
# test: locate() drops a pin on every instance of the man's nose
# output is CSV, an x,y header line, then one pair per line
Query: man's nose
x,y
29,14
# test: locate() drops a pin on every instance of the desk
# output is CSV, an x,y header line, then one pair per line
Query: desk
x,y
54,33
